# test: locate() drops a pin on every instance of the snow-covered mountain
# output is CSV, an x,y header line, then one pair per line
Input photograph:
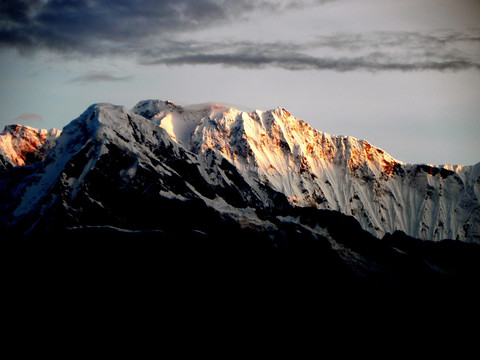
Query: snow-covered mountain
x,y
341,173
112,149
21,145
269,151
211,178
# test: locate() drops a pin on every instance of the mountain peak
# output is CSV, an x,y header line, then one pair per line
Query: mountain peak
x,y
313,168
150,108
21,144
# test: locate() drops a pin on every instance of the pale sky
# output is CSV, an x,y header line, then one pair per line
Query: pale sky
x,y
402,74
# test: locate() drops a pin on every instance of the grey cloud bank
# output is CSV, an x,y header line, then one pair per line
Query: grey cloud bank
x,y
403,51
144,29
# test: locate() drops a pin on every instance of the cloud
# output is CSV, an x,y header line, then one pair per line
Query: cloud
x,y
99,77
149,30
27,118
378,51
104,26
373,62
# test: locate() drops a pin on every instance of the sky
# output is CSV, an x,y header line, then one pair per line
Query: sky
x,y
402,74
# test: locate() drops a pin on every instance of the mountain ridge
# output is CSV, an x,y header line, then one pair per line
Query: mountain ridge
x,y
22,144
272,149
313,168
118,184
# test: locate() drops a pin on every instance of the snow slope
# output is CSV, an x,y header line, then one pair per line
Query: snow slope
x,y
340,173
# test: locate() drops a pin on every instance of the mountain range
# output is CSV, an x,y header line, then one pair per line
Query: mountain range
x,y
212,179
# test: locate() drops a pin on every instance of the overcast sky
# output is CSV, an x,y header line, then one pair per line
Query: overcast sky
x,y
402,74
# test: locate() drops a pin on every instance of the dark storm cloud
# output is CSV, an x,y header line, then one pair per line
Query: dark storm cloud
x,y
101,26
145,29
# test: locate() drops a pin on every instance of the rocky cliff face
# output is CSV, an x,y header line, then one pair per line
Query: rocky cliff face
x,y
21,145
